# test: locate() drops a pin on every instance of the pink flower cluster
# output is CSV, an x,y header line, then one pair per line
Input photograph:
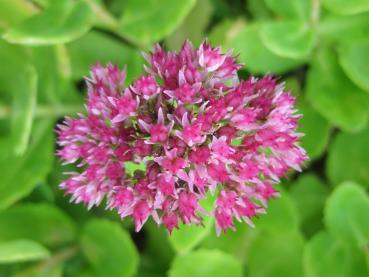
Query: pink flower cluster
x,y
197,129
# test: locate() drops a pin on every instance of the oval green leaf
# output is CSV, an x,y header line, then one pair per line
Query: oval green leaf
x,y
144,21
61,22
354,61
289,39
348,158
346,215
39,222
346,7
205,263
256,57
290,8
334,95
324,256
22,251
109,249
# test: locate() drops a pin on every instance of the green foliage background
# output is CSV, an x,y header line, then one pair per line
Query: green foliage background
x,y
319,227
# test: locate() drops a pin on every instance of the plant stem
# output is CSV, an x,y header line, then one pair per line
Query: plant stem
x,y
315,12
42,111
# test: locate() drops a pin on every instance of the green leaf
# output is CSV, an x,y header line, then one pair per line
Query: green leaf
x,y
353,59
147,21
348,158
348,29
335,96
15,11
258,9
281,215
309,194
21,174
346,7
324,256
186,237
109,249
43,223
346,215
24,104
290,39
256,57
225,31
205,263
91,49
21,251
290,8
65,21
316,129
193,27
276,255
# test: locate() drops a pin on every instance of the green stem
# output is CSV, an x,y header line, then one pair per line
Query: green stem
x,y
315,12
43,111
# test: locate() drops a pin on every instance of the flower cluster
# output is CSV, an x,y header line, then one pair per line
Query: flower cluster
x,y
197,129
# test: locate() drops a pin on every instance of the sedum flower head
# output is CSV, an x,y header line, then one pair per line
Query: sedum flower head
x,y
197,129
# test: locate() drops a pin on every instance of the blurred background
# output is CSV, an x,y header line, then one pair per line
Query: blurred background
x,y
320,48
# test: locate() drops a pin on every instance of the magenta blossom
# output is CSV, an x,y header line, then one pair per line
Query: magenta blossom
x,y
198,130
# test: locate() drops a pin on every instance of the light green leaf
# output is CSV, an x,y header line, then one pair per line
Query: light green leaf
x,y
348,29
256,57
324,256
19,175
353,59
193,27
348,158
24,103
15,11
205,263
258,9
147,21
316,129
186,237
91,49
21,251
346,215
43,223
281,215
222,33
290,8
62,22
335,96
309,194
109,249
290,39
276,255
346,7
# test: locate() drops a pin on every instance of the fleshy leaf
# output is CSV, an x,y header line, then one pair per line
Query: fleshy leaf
x,y
62,22
109,249
205,263
21,251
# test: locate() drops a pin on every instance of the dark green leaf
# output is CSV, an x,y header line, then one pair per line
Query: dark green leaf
x,y
353,59
62,22
109,249
346,215
335,96
39,222
205,263
290,39
21,251
140,24
348,158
